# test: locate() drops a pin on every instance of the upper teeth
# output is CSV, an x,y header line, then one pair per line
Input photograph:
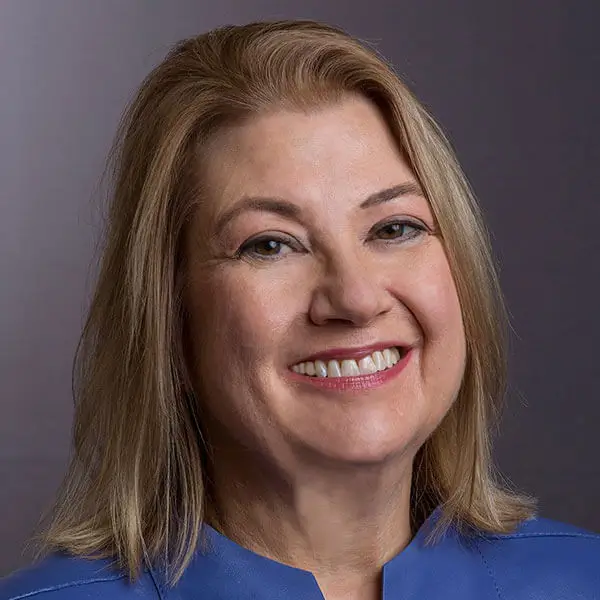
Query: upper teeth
x,y
377,361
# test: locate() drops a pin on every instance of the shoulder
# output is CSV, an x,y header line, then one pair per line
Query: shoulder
x,y
543,559
62,577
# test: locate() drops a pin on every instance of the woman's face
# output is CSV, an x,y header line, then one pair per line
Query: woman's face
x,y
314,246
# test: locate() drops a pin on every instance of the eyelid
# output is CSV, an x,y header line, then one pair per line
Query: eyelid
x,y
412,221
277,237
295,245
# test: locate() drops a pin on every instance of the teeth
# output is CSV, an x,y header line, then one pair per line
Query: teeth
x,y
388,356
320,368
333,369
378,361
350,368
367,365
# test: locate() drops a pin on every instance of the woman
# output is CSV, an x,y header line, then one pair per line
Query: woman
x,y
295,351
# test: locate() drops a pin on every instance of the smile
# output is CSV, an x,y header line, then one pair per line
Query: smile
x,y
352,375
380,360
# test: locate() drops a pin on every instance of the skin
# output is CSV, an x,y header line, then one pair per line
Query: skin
x,y
317,479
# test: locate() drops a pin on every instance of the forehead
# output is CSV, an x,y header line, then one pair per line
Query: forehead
x,y
342,149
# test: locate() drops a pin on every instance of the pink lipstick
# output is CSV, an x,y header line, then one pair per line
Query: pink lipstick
x,y
355,383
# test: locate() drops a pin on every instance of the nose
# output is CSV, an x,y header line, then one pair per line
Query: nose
x,y
350,290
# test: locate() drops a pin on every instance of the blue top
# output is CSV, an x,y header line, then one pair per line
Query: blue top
x,y
543,559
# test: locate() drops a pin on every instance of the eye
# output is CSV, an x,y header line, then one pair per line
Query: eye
x,y
400,230
266,247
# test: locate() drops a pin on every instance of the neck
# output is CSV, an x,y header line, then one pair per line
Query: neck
x,y
339,522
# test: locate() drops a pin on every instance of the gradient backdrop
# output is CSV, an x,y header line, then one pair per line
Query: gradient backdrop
x,y
515,85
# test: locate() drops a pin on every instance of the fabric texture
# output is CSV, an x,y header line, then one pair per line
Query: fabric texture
x,y
543,559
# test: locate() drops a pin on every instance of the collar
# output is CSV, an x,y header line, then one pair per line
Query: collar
x,y
223,569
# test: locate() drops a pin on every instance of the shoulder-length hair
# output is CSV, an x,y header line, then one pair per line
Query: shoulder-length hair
x,y
136,488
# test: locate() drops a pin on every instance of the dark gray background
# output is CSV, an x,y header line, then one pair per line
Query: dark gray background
x,y
515,85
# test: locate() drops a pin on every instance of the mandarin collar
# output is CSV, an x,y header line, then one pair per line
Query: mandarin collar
x,y
222,569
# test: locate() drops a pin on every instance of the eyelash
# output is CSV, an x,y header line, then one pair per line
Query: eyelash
x,y
246,249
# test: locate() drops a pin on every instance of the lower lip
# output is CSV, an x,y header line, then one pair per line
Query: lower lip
x,y
356,383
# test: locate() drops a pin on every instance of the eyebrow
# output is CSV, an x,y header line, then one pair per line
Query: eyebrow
x,y
289,210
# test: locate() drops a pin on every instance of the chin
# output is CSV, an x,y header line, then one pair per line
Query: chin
x,y
353,452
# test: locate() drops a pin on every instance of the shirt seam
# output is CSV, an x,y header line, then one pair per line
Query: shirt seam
x,y
509,536
62,586
490,573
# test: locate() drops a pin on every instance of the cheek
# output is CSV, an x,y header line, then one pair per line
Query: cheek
x,y
238,322
434,301
242,316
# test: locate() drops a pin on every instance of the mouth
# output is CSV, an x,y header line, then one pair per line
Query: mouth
x,y
365,363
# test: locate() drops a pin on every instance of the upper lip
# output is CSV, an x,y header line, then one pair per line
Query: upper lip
x,y
351,353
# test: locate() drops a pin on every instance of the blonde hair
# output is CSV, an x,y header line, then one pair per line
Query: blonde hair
x,y
135,490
